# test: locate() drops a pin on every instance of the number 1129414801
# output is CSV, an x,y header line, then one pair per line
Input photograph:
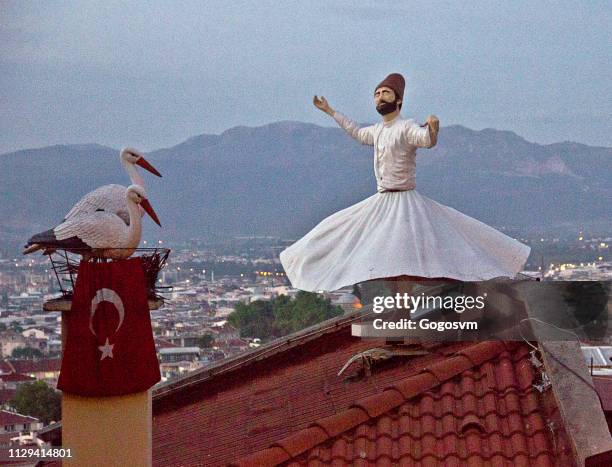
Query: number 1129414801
x,y
42,453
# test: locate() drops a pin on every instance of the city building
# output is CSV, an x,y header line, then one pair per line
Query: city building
x,y
45,369
13,380
12,422
9,341
179,354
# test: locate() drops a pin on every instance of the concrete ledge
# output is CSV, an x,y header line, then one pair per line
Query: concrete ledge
x,y
578,402
572,385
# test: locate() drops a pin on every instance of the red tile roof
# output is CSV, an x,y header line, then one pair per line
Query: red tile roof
x,y
13,377
477,407
35,366
461,402
7,418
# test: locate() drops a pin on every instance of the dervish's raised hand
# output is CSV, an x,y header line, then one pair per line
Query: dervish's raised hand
x,y
434,126
321,104
433,123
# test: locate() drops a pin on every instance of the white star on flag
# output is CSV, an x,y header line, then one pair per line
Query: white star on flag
x,y
106,349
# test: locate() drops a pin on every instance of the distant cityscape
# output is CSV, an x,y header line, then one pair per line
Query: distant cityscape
x,y
200,285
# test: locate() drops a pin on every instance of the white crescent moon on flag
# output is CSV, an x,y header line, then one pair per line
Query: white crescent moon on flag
x,y
106,295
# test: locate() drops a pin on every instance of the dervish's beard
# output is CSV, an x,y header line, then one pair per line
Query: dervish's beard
x,y
385,108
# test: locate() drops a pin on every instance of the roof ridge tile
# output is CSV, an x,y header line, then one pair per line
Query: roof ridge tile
x,y
302,440
377,404
449,367
483,351
266,457
340,422
414,385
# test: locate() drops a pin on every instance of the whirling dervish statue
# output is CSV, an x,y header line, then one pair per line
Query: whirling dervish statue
x,y
397,233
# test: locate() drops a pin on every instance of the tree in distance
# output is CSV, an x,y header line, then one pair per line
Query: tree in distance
x,y
281,315
38,400
26,353
206,341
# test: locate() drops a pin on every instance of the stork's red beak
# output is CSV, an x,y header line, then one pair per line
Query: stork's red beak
x,y
142,162
149,210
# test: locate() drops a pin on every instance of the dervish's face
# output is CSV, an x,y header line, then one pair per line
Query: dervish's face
x,y
383,94
385,100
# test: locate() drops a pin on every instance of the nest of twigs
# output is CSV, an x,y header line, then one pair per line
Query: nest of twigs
x,y
65,265
152,264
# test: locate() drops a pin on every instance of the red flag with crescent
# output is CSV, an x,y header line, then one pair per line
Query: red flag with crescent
x,y
108,347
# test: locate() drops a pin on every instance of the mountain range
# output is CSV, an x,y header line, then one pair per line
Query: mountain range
x,y
282,178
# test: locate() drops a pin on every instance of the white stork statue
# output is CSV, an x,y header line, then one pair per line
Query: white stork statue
x,y
100,234
111,198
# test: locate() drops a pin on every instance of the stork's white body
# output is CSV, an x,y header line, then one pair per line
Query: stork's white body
x,y
106,233
108,198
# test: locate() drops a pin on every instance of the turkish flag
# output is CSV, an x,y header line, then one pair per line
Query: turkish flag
x,y
109,348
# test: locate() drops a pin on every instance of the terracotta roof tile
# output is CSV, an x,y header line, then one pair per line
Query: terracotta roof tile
x,y
410,387
521,460
512,401
480,353
471,422
530,402
378,404
339,423
489,402
450,413
302,440
542,460
449,367
267,457
525,374
515,422
505,373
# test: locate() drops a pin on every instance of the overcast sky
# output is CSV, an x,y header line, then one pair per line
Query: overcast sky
x,y
151,74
